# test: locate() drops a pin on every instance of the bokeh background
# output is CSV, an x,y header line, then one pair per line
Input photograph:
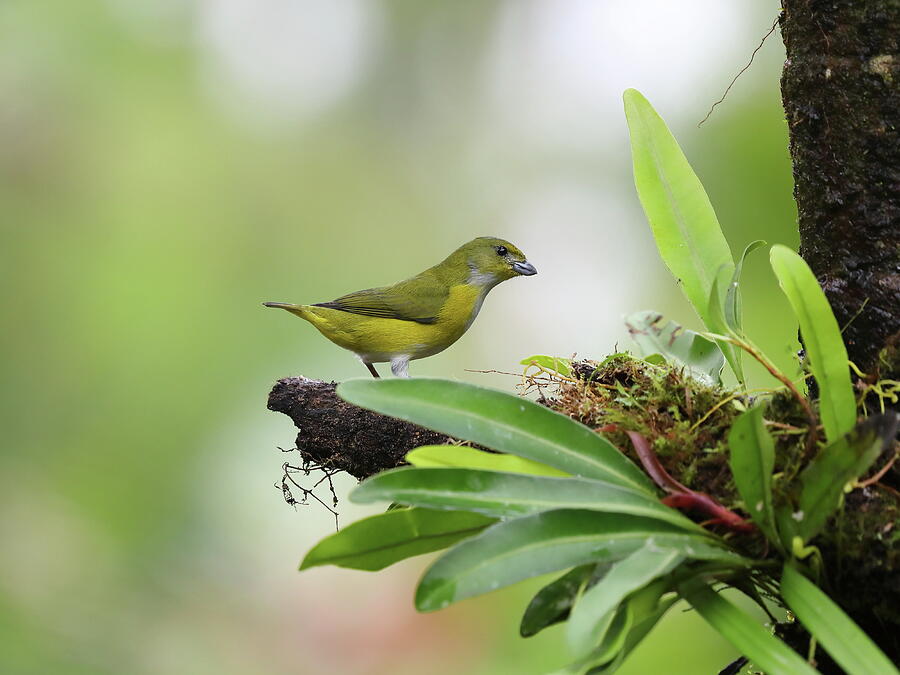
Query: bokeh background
x,y
166,165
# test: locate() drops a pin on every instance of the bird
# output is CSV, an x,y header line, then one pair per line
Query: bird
x,y
420,316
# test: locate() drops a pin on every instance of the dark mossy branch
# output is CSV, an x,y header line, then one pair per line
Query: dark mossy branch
x,y
841,92
337,435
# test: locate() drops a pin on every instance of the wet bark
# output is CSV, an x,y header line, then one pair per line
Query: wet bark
x,y
337,435
841,92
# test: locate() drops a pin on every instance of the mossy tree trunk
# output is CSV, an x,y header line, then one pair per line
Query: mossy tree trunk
x,y
841,93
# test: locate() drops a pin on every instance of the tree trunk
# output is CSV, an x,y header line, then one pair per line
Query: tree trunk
x,y
841,93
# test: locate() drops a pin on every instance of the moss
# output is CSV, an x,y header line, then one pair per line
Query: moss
x,y
687,424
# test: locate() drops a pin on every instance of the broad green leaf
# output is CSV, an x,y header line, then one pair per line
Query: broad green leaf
x,y
594,611
683,221
465,457
376,542
553,602
822,339
509,494
767,652
554,363
822,481
519,549
752,461
836,632
499,421
702,358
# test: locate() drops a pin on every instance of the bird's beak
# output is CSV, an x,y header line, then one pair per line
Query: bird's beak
x,y
524,268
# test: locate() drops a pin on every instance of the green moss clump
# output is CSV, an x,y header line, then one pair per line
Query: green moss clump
x,y
687,424
686,421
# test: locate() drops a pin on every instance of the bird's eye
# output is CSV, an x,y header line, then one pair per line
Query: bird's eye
x,y
501,250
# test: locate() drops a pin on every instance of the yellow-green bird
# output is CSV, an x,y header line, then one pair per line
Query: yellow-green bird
x,y
420,316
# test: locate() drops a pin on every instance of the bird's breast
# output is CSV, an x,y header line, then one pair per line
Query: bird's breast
x,y
462,306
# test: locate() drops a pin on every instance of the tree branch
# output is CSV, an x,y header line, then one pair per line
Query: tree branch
x,y
337,435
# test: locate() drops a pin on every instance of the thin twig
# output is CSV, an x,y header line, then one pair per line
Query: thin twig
x,y
306,470
749,63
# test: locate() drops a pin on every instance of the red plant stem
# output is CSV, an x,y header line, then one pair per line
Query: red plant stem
x,y
681,497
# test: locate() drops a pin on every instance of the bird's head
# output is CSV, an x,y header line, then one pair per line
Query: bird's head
x,y
492,260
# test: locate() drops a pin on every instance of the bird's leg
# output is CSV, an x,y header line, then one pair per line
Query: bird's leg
x,y
400,366
372,370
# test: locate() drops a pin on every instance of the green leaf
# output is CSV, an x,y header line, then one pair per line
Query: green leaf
x,y
555,363
499,421
655,359
647,606
553,602
821,338
644,607
612,642
733,294
519,549
717,323
702,358
752,461
683,221
822,481
508,494
725,309
767,652
376,542
595,610
465,457
847,644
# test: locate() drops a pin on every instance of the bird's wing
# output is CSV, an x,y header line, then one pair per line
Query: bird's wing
x,y
404,301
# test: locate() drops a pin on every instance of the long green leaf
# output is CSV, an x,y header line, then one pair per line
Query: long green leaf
x,y
836,632
376,542
594,612
744,632
821,338
464,457
519,549
752,462
681,216
733,310
702,358
612,642
508,494
645,608
552,603
822,481
499,421
717,323
725,313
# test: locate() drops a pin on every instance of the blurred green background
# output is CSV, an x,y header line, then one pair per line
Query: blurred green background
x,y
166,165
